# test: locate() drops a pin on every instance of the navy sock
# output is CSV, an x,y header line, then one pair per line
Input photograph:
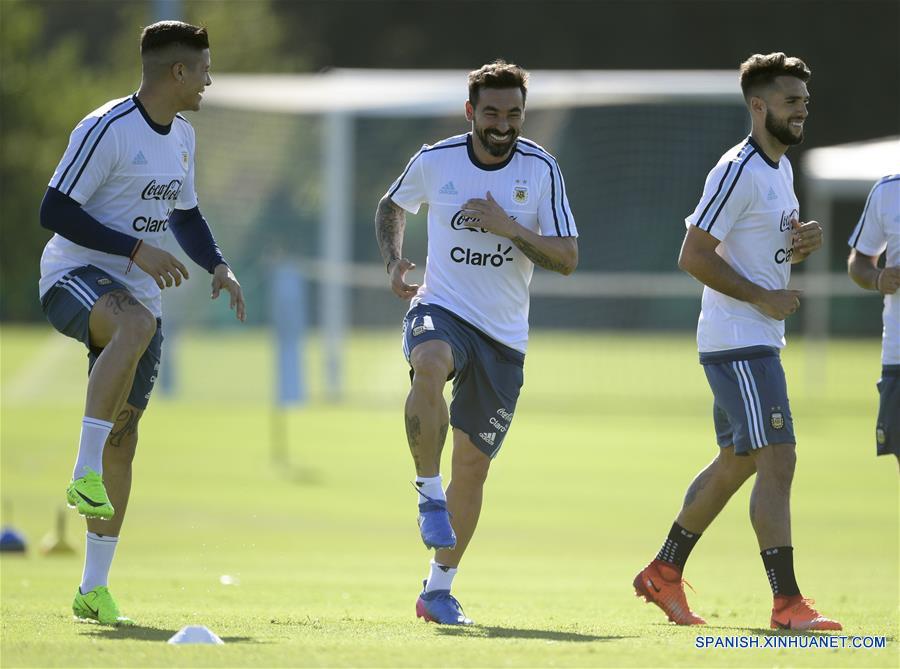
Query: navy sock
x,y
779,564
678,546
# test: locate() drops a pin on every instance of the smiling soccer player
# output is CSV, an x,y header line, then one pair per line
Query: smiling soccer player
x,y
497,207
741,241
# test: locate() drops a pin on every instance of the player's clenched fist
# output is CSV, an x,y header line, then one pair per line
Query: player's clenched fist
x,y
161,265
779,304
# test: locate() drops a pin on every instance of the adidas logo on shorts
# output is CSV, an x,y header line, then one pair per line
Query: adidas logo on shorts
x,y
488,437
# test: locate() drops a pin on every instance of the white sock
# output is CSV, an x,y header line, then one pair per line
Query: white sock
x,y
431,486
90,449
98,556
440,577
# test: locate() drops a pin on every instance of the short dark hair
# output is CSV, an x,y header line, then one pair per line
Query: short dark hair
x,y
498,74
170,33
761,70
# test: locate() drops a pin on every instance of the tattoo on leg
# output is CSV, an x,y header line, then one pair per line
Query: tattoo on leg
x,y
696,486
442,435
129,420
119,300
413,432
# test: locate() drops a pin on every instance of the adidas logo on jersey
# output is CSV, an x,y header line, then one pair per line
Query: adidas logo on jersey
x,y
488,437
448,189
772,195
139,159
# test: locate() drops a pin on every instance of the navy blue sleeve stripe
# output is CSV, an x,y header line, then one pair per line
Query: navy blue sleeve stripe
x,y
552,187
862,219
699,222
94,147
562,183
414,158
405,172
737,177
84,141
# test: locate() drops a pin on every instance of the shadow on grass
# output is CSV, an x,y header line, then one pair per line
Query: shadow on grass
x,y
148,634
495,632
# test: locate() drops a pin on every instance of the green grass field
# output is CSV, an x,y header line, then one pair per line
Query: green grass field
x,y
608,432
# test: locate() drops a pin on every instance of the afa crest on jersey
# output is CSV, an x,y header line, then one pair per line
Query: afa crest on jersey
x,y
520,194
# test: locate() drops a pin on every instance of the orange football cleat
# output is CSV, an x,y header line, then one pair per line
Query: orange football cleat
x,y
661,584
796,613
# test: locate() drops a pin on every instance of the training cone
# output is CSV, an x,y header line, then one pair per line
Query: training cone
x,y
11,540
54,542
195,634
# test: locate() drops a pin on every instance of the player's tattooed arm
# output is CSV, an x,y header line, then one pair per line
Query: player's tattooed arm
x,y
541,258
390,223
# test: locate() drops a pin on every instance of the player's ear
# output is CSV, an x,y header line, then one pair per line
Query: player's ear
x,y
178,72
757,104
470,111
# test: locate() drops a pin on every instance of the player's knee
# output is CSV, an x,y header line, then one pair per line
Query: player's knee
x,y
780,465
471,466
137,327
430,371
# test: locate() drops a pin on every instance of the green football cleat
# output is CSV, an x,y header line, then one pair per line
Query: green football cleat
x,y
88,496
97,605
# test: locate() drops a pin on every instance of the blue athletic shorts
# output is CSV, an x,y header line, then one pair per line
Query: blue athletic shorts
x,y
67,305
887,429
487,375
750,402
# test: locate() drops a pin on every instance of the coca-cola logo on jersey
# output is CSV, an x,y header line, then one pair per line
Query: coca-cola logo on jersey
x,y
162,191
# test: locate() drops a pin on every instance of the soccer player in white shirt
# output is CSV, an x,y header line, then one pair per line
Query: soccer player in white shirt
x,y
126,178
497,206
741,241
878,232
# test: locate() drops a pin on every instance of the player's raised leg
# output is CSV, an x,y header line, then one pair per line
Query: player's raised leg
x,y
661,582
121,328
427,421
93,600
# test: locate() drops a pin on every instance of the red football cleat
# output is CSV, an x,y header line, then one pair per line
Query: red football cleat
x,y
661,584
797,613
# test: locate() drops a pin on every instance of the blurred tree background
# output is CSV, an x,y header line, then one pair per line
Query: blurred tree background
x,y
61,59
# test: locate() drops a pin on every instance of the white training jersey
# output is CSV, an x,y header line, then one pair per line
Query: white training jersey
x,y
479,276
879,230
748,204
129,173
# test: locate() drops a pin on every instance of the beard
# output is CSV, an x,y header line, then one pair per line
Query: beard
x,y
492,146
781,131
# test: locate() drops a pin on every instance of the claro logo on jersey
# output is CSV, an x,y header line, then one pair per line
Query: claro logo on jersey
x,y
162,191
469,257
150,224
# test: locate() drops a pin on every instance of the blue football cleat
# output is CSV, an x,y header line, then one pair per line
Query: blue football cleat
x,y
434,524
439,606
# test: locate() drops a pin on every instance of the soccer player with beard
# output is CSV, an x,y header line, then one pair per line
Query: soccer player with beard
x,y
877,232
497,207
741,241
126,178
